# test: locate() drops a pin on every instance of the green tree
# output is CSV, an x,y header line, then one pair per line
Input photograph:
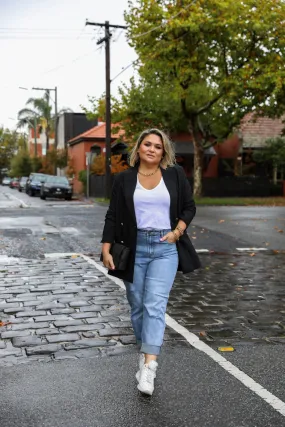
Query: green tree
x,y
274,153
8,148
217,60
21,164
41,112
97,108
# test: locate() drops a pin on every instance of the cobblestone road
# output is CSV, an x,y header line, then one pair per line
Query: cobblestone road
x,y
56,309
233,299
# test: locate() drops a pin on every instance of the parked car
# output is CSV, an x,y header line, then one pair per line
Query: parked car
x,y
14,183
34,183
56,186
6,180
22,184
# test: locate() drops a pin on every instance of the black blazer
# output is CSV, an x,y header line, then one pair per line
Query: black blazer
x,y
120,221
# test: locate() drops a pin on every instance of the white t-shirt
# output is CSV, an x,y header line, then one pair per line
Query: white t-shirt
x,y
152,207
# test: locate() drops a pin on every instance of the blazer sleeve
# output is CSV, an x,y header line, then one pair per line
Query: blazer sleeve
x,y
188,208
108,235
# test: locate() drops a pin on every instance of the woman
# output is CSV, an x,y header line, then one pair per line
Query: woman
x,y
150,208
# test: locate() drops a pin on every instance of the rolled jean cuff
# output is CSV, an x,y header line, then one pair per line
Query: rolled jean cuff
x,y
150,349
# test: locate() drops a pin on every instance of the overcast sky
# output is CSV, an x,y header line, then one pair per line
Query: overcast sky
x,y
45,43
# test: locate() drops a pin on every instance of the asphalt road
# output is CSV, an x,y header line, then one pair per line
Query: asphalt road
x,y
259,226
237,299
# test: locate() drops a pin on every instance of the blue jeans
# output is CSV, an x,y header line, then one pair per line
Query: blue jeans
x,y
155,269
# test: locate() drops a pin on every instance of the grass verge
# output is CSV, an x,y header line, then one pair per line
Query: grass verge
x,y
240,201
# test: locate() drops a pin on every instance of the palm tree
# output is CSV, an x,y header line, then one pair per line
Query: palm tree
x,y
42,113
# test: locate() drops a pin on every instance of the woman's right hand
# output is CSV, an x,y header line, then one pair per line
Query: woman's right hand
x,y
108,261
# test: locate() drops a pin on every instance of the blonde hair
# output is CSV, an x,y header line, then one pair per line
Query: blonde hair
x,y
168,158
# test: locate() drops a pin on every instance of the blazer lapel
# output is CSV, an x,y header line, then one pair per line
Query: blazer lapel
x,y
170,180
130,182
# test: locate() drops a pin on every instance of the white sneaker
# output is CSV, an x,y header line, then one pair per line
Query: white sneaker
x,y
147,376
141,363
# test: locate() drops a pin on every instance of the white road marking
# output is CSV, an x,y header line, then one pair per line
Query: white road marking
x,y
245,379
62,255
5,259
23,204
252,249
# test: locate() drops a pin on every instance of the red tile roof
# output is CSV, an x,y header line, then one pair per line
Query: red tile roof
x,y
256,131
97,132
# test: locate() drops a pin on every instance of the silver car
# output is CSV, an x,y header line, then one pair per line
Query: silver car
x,y
6,180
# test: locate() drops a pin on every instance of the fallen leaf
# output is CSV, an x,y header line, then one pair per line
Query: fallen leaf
x,y
203,334
280,231
267,244
221,220
5,323
252,254
74,256
43,238
226,349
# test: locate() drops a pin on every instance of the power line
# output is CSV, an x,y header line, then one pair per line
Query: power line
x,y
71,62
124,69
38,29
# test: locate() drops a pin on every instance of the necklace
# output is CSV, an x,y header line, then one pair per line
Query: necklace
x,y
148,174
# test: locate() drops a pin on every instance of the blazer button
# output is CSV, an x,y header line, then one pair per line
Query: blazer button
x,y
122,223
122,241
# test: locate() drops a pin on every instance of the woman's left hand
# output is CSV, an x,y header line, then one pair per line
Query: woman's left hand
x,y
170,237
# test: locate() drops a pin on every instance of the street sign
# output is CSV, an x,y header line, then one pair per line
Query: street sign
x,y
88,158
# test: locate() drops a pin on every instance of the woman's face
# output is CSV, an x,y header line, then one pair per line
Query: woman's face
x,y
151,150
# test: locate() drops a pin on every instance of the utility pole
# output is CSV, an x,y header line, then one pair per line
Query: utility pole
x,y
106,39
35,136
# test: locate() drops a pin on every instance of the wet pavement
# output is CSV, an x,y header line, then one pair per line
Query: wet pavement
x,y
62,308
261,225
62,319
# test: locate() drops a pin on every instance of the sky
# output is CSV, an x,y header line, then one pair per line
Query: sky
x,y
45,43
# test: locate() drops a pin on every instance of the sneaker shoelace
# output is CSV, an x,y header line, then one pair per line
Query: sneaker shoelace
x,y
147,375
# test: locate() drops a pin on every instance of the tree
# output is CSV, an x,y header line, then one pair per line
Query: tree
x,y
8,148
98,166
21,164
54,159
220,59
98,108
41,112
274,153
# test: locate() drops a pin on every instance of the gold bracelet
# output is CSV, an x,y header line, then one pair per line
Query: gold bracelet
x,y
181,231
173,231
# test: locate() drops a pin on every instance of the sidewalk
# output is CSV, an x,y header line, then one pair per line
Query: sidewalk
x,y
62,308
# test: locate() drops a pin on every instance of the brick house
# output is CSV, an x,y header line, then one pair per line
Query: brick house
x,y
226,159
92,141
254,133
